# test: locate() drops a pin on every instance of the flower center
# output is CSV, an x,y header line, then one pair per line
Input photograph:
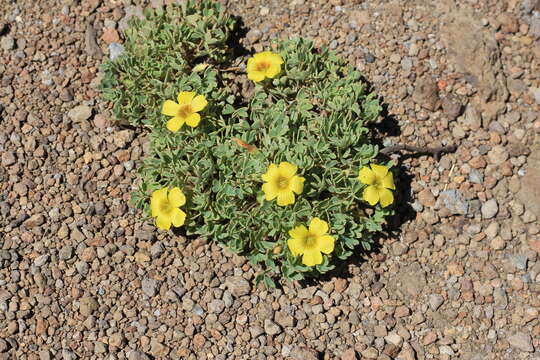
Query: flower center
x,y
310,241
262,66
185,110
283,183
165,206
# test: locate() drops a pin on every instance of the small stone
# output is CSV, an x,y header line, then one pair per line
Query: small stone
x,y
521,341
254,35
426,198
489,209
80,113
394,339
41,260
399,248
435,301
150,286
110,36
123,138
519,261
138,355
426,94
454,201
395,58
66,253
497,155
216,306
370,353
8,158
476,176
349,354
498,243
198,341
509,23
500,299
7,43
429,338
88,305
34,220
116,340
100,121
238,286
3,346
271,328
100,348
451,107
303,353
115,50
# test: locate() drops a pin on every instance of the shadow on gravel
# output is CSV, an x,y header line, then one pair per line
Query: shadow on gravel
x,y
404,212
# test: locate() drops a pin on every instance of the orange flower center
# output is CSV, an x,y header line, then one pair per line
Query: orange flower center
x,y
262,66
185,110
283,183
310,241
165,206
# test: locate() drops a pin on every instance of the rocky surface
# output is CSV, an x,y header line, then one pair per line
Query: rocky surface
x,y
82,276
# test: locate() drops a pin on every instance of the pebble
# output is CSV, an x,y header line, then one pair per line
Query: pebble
x,y
498,243
271,328
519,261
521,341
435,301
115,50
88,305
238,286
7,43
489,209
454,201
41,260
80,113
150,286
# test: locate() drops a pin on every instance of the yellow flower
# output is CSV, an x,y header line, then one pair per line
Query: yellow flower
x,y
264,65
310,243
281,182
379,181
186,111
165,206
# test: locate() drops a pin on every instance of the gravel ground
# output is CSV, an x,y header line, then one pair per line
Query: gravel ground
x,y
83,277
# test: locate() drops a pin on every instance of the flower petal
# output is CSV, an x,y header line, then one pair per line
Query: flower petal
x,y
163,222
256,75
371,195
185,97
271,174
300,232
287,170
326,244
270,191
193,120
178,217
285,198
297,184
388,181
273,70
177,197
312,258
386,197
170,108
379,170
198,103
318,227
366,176
158,197
295,246
175,124
275,58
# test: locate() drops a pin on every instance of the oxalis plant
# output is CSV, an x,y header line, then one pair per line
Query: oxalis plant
x,y
289,176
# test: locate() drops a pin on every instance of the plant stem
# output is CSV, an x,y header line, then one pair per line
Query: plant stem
x,y
436,151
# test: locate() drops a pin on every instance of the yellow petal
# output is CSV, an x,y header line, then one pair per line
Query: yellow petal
x,y
163,222
193,120
177,197
371,195
198,103
318,227
251,64
388,181
312,258
287,170
326,244
178,217
270,191
386,197
160,194
275,58
273,70
285,198
256,75
295,246
185,97
300,232
379,170
297,184
271,174
170,108
366,176
175,124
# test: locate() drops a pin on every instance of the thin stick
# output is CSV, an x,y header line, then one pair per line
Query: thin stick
x,y
436,151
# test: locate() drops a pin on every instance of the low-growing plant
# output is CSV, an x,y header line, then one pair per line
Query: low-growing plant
x,y
276,178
